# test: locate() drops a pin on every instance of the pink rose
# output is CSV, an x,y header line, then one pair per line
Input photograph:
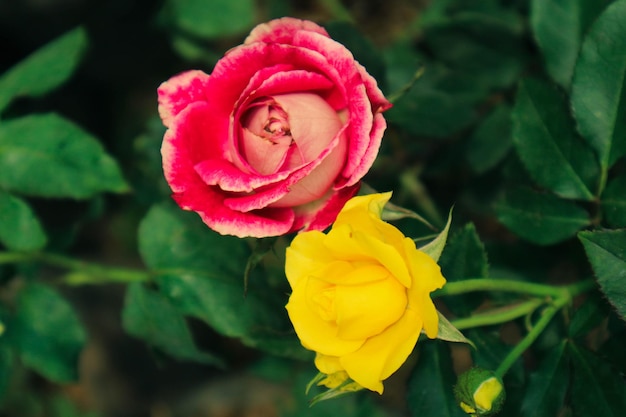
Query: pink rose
x,y
277,138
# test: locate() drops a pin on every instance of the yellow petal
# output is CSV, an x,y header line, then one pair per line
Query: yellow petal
x,y
314,332
366,310
306,254
364,204
382,355
387,255
327,364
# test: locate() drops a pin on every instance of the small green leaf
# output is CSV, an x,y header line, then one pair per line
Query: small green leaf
x,y
541,218
491,140
464,257
430,389
547,143
434,248
446,331
558,27
50,336
19,227
599,85
606,250
150,316
211,18
45,69
46,155
614,202
545,394
596,389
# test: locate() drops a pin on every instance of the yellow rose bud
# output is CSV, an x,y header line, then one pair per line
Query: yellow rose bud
x,y
480,392
361,294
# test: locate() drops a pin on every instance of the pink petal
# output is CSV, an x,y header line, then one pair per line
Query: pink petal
x,y
189,137
282,30
371,152
209,205
230,178
180,91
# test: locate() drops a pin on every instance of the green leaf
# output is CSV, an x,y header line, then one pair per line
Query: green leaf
x,y
541,218
606,250
212,18
172,238
19,227
546,390
547,143
614,202
45,69
48,156
599,85
434,248
430,389
487,46
589,315
558,27
464,257
201,272
50,336
491,140
446,331
426,108
150,316
596,389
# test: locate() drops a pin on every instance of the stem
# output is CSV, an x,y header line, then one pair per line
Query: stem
x,y
490,284
567,294
531,336
82,272
498,315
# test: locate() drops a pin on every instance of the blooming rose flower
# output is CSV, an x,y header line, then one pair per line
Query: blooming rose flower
x,y
361,294
277,138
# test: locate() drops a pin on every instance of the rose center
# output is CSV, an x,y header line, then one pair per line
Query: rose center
x,y
266,136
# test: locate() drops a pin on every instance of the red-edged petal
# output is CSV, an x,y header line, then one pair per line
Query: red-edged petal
x,y
179,91
208,203
190,135
230,178
282,30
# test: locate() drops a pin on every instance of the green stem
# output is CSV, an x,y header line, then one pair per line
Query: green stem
x,y
499,315
567,294
490,284
82,272
531,336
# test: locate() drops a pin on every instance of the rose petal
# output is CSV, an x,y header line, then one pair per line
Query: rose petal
x,y
179,91
208,204
305,255
364,310
230,178
282,30
188,137
314,332
382,355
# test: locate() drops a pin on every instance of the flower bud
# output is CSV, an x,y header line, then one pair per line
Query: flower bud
x,y
479,392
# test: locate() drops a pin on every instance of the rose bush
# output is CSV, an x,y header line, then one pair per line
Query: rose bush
x,y
277,138
361,294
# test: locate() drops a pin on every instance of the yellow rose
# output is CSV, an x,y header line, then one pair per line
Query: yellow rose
x,y
361,294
